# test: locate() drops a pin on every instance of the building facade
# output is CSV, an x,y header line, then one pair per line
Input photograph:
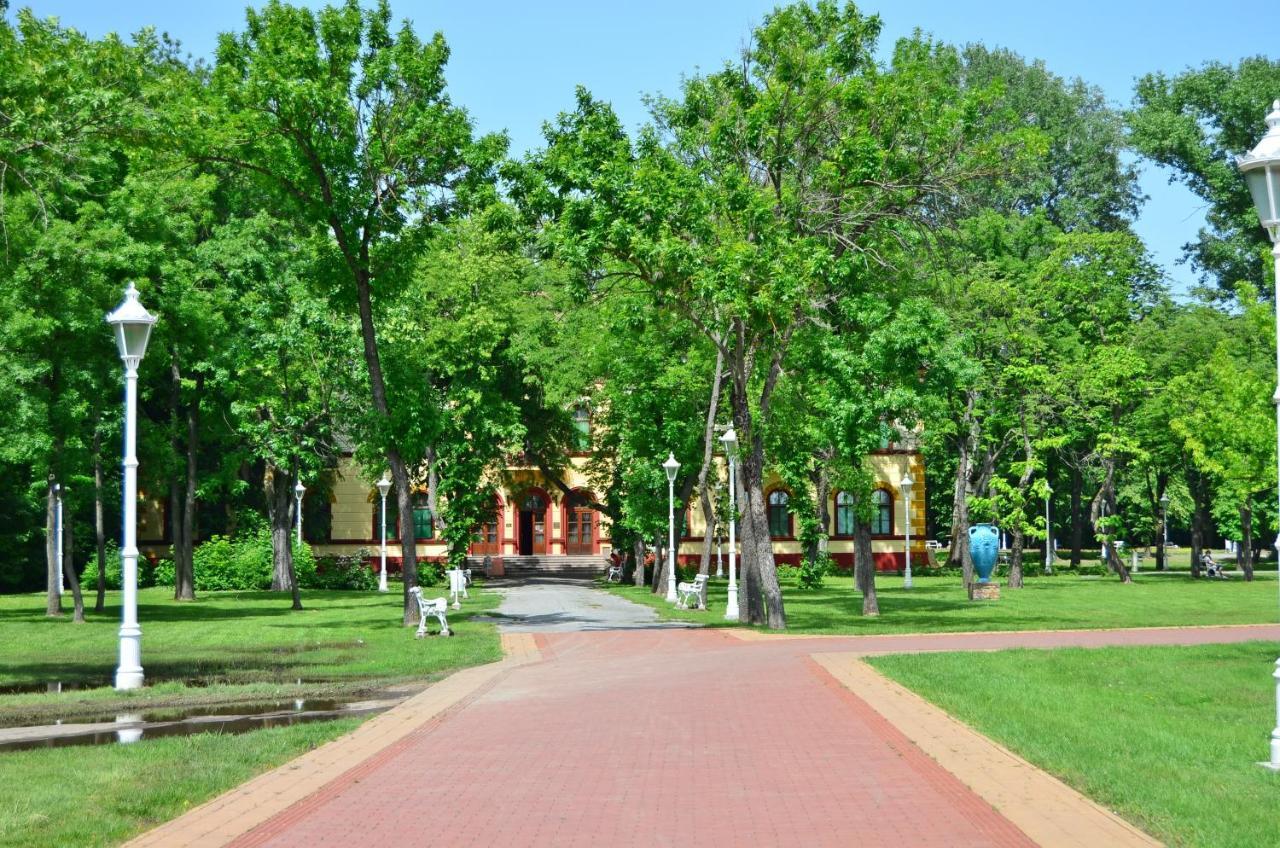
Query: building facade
x,y
534,518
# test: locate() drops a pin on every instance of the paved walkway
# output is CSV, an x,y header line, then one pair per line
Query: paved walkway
x,y
566,605
679,737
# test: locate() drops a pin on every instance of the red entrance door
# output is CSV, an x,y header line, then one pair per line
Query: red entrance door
x,y
580,534
487,540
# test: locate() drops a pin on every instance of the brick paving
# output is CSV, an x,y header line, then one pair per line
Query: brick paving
x,y
652,738
669,737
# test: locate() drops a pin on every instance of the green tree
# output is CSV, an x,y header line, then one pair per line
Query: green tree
x,y
1195,123
348,126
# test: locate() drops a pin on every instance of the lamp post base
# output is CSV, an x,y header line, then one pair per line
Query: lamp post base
x,y
731,611
128,678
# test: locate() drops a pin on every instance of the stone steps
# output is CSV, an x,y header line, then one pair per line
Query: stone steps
x,y
593,565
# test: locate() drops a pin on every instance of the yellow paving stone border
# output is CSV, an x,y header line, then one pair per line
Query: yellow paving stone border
x,y
750,634
237,811
1051,813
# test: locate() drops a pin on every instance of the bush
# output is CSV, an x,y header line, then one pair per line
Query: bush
x,y
341,572
813,572
244,563
146,571
165,573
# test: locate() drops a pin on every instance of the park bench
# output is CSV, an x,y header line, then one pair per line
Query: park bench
x,y
459,578
437,607
689,591
933,545
614,575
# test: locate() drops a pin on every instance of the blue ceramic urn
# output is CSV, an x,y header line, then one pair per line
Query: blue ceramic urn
x,y
984,546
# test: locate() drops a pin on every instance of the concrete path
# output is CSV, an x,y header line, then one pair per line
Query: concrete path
x,y
653,737
564,605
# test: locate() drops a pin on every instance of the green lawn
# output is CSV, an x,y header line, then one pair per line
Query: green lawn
x,y
1166,736
104,795
939,604
225,648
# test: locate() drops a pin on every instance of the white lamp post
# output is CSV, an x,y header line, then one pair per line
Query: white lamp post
x,y
298,491
906,484
132,324
57,533
384,486
1261,170
671,467
1048,531
730,442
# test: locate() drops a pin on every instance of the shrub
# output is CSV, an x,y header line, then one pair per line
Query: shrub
x,y
341,572
165,573
812,572
222,563
114,580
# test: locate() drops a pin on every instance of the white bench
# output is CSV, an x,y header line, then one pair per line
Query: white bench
x,y
933,545
614,575
689,591
437,607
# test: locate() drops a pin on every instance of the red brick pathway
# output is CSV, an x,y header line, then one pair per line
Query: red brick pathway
x,y
671,738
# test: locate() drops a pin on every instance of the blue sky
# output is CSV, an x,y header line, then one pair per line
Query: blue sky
x,y
515,64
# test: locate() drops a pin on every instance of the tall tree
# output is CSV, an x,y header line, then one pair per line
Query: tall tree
x,y
348,125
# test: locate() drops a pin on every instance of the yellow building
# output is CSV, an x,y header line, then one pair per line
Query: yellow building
x,y
533,518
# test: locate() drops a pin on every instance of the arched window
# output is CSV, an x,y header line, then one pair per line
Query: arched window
x,y
846,524
779,514
882,517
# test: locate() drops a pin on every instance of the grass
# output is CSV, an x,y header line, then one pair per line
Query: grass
x,y
227,647
104,795
1166,736
224,648
939,604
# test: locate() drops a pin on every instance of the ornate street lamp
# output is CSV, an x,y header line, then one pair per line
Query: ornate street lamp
x,y
57,533
907,484
1048,531
671,467
730,442
298,491
1164,532
1261,170
384,486
132,324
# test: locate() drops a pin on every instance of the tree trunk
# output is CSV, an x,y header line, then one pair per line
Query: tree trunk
x,y
53,602
968,444
1244,559
1106,497
820,476
1077,516
378,389
864,568
69,567
638,553
177,486
748,578
99,524
1198,488
764,606
1162,486
1015,557
184,580
279,497
708,454
659,564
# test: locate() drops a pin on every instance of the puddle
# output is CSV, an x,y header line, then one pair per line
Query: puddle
x,y
137,727
52,686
